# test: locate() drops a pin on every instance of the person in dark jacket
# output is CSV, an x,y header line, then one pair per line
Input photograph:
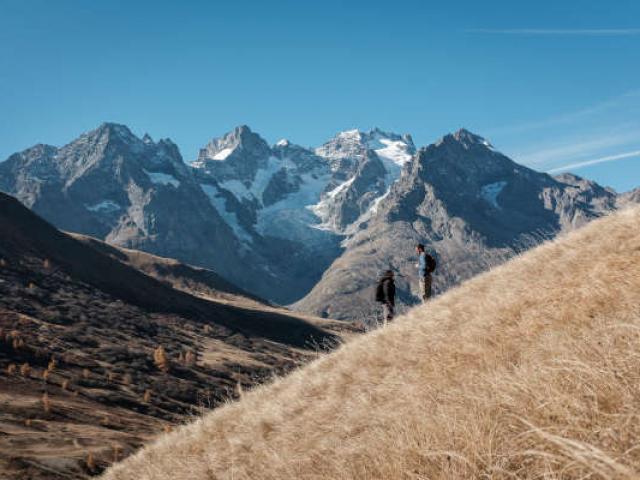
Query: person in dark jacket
x,y
424,273
387,295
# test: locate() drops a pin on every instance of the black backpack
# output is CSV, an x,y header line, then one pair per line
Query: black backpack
x,y
431,263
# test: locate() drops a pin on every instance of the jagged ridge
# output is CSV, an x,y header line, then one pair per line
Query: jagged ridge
x,y
278,219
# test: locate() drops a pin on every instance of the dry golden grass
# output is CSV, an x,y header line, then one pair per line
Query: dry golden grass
x,y
529,371
161,359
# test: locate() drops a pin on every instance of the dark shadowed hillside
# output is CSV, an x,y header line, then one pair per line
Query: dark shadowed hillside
x,y
97,357
192,279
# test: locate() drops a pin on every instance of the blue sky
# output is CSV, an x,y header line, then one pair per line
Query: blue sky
x,y
550,83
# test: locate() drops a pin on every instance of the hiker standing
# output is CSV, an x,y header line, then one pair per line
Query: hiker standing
x,y
426,266
386,295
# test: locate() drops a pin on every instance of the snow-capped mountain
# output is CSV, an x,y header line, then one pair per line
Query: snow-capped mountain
x,y
364,166
286,222
261,190
346,147
286,194
131,192
288,190
471,205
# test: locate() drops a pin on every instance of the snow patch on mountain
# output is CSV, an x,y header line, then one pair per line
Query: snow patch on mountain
x,y
293,193
106,206
395,151
322,209
219,203
158,178
488,145
254,189
491,191
292,217
368,214
223,154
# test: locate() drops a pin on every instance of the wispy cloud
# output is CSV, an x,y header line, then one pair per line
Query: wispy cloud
x,y
587,32
628,100
590,135
595,161
577,149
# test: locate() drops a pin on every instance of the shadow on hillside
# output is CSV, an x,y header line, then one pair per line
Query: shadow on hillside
x,y
24,233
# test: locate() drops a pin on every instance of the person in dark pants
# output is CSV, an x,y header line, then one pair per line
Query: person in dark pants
x,y
426,266
386,295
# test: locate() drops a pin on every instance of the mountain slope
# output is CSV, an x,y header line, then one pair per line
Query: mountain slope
x,y
630,197
81,368
308,227
268,218
131,192
472,206
262,192
527,371
195,280
290,206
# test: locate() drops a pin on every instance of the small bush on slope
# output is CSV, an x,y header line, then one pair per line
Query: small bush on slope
x,y
529,371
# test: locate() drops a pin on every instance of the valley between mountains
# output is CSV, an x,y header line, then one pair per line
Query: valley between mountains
x,y
307,227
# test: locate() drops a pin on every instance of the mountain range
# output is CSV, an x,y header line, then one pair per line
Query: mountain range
x,y
312,227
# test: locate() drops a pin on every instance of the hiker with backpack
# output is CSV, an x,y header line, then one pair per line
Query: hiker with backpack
x,y
426,266
386,295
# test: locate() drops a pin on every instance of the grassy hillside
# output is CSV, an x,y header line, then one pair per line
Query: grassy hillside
x,y
531,370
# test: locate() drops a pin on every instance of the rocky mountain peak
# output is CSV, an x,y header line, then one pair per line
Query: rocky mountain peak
x,y
41,150
113,130
348,148
585,187
353,134
239,139
249,206
241,135
92,147
465,139
168,143
287,149
630,197
344,145
466,156
113,147
377,134
572,179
